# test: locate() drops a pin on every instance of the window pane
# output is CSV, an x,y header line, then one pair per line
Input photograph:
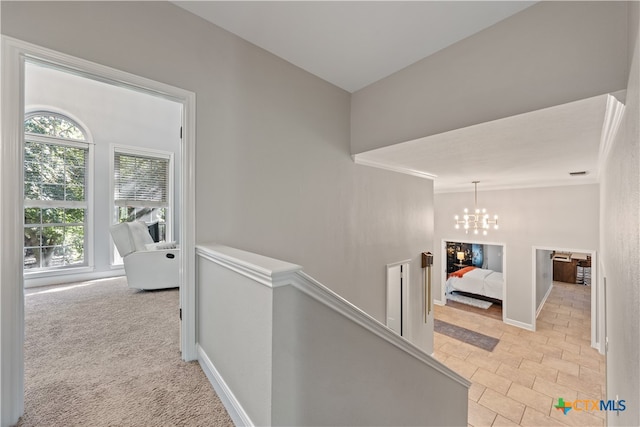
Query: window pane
x,y
75,175
52,124
32,216
31,236
31,191
32,152
52,236
74,216
32,172
74,245
52,173
52,192
52,256
52,216
75,193
31,258
76,156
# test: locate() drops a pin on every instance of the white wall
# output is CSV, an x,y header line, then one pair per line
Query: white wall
x,y
273,171
297,354
112,115
544,275
620,245
540,57
562,217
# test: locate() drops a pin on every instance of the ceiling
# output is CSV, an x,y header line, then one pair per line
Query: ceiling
x,y
536,149
353,44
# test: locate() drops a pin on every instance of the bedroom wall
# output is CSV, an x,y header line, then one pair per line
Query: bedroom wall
x,y
274,173
493,255
562,217
521,64
620,245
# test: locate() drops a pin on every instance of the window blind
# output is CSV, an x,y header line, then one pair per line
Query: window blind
x,y
140,180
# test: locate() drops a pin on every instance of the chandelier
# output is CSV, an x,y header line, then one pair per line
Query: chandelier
x,y
479,220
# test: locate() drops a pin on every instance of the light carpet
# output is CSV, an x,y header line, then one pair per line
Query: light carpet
x,y
469,301
101,354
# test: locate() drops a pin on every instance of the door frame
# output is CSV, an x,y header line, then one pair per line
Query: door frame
x,y
13,54
596,295
443,269
405,318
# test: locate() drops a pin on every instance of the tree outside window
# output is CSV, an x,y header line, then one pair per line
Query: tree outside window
x,y
55,199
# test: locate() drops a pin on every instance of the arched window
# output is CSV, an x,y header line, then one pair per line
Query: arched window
x,y
53,124
56,159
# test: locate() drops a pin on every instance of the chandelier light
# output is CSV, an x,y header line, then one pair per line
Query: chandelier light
x,y
478,220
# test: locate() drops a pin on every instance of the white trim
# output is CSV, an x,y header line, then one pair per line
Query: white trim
x,y
612,118
264,270
260,268
187,227
359,160
406,287
544,299
14,53
527,326
46,139
11,235
77,276
237,413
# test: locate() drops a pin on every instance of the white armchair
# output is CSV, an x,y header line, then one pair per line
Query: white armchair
x,y
148,265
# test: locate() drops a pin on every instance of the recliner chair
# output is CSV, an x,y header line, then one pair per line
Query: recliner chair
x,y
148,265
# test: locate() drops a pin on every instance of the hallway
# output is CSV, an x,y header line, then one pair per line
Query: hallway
x,y
521,380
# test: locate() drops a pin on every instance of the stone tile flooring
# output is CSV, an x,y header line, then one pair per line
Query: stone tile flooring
x,y
520,381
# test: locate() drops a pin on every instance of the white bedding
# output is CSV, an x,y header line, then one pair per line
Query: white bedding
x,y
478,281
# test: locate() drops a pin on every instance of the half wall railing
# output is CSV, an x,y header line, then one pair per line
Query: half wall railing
x,y
282,349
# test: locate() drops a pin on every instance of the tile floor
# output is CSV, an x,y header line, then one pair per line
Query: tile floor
x,y
520,381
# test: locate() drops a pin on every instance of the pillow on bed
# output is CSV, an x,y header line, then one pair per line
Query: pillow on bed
x,y
461,272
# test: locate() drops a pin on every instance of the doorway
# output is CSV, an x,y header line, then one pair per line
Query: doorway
x,y
76,129
398,297
568,267
473,277
14,55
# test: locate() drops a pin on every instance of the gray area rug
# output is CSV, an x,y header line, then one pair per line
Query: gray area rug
x,y
465,335
101,354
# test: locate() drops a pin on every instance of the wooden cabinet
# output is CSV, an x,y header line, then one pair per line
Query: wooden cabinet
x,y
565,271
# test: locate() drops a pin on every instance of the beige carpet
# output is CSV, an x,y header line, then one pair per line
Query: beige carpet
x,y
101,354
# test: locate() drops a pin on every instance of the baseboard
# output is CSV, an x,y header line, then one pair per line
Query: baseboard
x,y
69,276
231,404
543,301
519,324
438,302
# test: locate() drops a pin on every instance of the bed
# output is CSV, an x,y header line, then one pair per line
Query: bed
x,y
476,281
